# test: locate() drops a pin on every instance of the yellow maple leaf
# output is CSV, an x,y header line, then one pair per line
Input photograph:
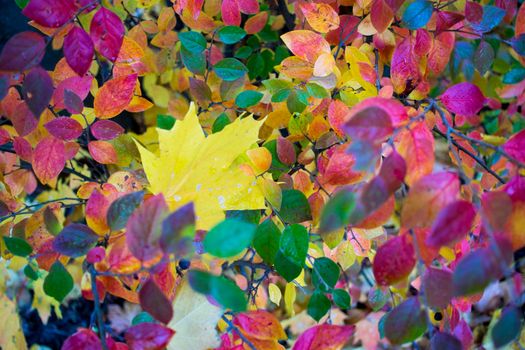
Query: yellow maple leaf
x,y
194,321
11,337
190,167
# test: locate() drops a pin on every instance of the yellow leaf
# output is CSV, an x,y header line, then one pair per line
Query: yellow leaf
x,y
190,167
345,255
322,17
274,293
194,321
289,298
11,337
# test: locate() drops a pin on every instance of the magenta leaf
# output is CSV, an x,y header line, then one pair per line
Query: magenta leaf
x,y
50,13
463,98
452,224
107,32
153,301
23,51
78,50
106,130
64,128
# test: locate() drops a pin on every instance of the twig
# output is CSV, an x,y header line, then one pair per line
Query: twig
x,y
98,311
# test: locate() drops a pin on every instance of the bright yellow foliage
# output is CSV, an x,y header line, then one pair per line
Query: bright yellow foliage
x,y
192,167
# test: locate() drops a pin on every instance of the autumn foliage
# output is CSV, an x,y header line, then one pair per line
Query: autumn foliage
x,y
283,174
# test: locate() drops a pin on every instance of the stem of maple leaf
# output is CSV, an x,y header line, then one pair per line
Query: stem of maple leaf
x,y
98,311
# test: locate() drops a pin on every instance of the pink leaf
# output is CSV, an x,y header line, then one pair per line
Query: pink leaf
x,y
37,90
64,128
463,98
394,260
452,224
107,32
249,7
49,159
231,14
106,130
148,336
437,284
324,336
515,146
23,51
73,102
83,339
78,85
78,50
23,119
23,148
50,13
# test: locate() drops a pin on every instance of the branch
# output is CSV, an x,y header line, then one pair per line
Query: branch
x,y
98,311
288,17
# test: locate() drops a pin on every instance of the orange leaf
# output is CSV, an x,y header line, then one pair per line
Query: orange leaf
x,y
322,17
103,152
114,96
427,197
260,325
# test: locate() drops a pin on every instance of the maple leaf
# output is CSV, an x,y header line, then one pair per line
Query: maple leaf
x,y
194,321
11,337
192,167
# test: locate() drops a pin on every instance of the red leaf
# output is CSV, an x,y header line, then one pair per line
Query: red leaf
x,y
37,90
324,336
463,98
404,71
106,130
78,85
260,324
338,113
439,55
285,151
416,146
64,128
78,50
144,228
49,159
473,12
394,260
515,146
23,51
381,15
153,301
84,339
50,13
231,14
148,336
396,110
4,136
23,119
346,31
107,32
103,152
452,224
371,124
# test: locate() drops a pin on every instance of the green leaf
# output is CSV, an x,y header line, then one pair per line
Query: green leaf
x,y
195,61
230,69
295,207
256,66
229,238
293,247
508,327
318,305
121,209
266,240
417,14
58,283
21,3
325,274
193,41
275,85
30,272
406,322
165,122
18,246
142,317
231,34
243,52
316,90
248,98
228,294
249,216
336,212
514,76
220,123
341,298
297,101
223,290
281,95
